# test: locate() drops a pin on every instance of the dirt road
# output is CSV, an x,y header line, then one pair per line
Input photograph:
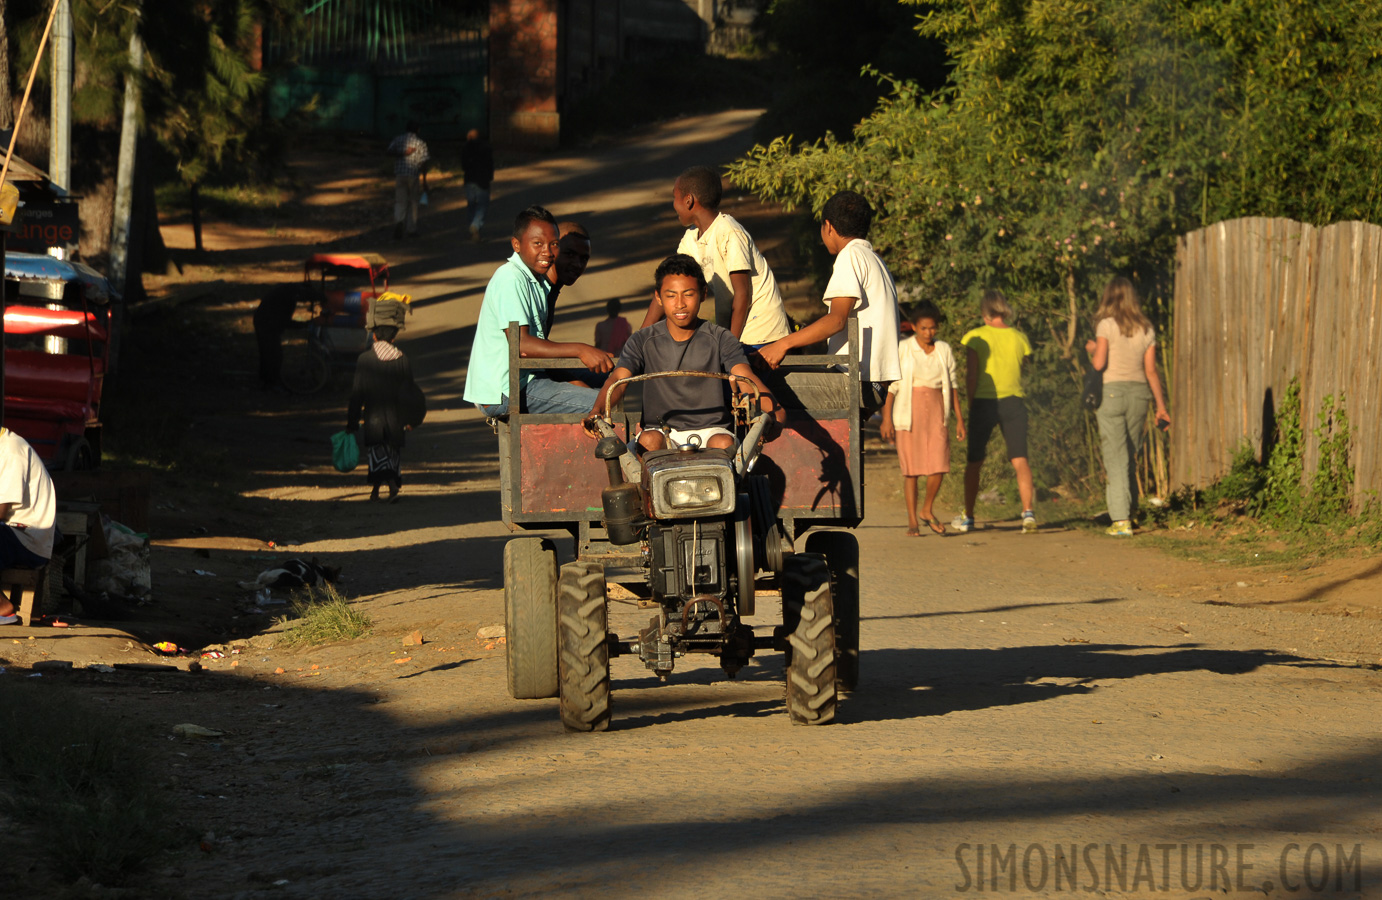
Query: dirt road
x,y
1022,696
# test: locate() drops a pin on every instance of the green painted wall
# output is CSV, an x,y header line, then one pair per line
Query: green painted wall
x,y
358,100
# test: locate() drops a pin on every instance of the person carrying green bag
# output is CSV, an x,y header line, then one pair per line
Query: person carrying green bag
x,y
385,403
345,451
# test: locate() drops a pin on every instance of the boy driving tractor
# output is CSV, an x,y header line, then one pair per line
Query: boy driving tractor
x,y
683,410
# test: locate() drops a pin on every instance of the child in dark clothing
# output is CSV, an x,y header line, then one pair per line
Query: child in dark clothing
x,y
689,409
385,397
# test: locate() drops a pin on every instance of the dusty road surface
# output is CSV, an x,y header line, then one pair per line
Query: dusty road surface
x,y
1038,715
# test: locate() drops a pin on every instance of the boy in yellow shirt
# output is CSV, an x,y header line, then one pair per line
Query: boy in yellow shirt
x,y
995,353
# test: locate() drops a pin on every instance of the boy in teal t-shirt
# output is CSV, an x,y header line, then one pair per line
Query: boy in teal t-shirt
x,y
995,354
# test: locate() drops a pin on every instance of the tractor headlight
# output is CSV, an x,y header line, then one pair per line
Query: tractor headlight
x,y
692,493
700,488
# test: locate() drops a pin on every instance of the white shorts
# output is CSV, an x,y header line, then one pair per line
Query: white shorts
x,y
677,437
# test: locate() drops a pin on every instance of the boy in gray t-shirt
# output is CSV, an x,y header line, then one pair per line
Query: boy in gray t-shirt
x,y
681,407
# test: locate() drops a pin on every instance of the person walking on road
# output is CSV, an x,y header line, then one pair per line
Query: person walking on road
x,y
477,164
384,398
410,179
995,353
1124,349
917,410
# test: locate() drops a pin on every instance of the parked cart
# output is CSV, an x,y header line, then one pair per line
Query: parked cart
x,y
343,285
57,354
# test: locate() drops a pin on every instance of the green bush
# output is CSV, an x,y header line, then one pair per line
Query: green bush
x,y
1277,492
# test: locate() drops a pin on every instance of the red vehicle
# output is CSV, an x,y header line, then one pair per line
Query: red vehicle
x,y
56,359
343,285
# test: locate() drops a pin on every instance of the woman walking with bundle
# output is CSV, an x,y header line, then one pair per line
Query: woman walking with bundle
x,y
1124,349
385,396
916,411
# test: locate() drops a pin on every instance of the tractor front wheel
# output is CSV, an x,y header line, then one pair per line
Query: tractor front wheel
x,y
809,620
530,617
583,667
841,552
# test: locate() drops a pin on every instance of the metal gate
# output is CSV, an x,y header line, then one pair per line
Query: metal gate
x,y
372,65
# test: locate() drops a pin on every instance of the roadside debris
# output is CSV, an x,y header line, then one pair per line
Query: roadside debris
x,y
188,730
126,571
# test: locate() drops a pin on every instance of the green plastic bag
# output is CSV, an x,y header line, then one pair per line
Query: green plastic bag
x,y
345,451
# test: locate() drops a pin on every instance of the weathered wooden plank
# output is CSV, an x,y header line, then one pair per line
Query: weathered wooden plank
x,y
1257,303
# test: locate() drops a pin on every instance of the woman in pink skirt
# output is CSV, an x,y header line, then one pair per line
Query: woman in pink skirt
x,y
917,410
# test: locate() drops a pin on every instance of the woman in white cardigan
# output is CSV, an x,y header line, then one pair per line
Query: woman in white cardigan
x,y
917,410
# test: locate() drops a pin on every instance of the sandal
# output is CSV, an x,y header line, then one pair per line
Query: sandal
x,y
936,526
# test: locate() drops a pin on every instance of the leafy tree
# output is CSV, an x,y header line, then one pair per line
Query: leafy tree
x,y
1079,138
201,92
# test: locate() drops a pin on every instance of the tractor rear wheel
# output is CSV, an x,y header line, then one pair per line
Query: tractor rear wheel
x,y
583,667
841,552
809,620
530,617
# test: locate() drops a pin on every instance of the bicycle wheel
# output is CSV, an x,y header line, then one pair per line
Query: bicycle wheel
x,y
306,368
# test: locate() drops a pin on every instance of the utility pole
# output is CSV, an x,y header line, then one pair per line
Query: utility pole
x,y
124,172
60,140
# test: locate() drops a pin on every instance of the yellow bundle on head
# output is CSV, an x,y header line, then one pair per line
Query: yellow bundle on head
x,y
388,310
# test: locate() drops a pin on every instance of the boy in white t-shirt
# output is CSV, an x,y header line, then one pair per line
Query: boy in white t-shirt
x,y
859,282
747,301
28,511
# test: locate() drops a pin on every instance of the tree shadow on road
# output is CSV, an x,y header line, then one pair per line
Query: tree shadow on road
x,y
911,683
995,609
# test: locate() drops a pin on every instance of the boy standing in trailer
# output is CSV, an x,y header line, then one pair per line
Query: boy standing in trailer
x,y
995,353
747,301
683,409
860,281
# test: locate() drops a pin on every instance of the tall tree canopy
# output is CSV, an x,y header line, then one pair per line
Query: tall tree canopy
x,y
1079,137
1076,139
200,87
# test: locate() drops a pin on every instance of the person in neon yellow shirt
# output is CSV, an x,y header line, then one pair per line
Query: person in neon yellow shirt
x,y
995,353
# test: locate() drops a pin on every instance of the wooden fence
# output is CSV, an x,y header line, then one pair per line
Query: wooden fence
x,y
1257,303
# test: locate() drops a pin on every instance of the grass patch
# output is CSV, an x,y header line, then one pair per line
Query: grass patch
x,y
228,202
79,779
1274,512
320,615
1243,541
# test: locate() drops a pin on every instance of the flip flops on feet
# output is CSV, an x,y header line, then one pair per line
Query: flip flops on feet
x,y
933,524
